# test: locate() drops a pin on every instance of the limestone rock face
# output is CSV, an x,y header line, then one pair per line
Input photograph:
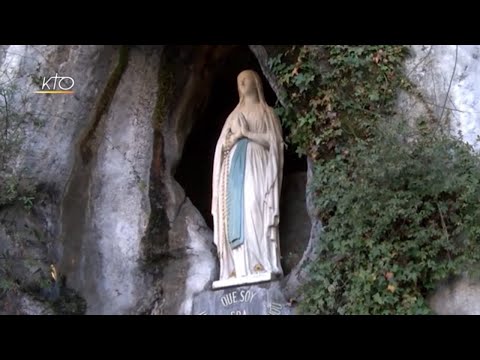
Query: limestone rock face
x,y
102,245
447,77
57,120
46,127
458,297
92,152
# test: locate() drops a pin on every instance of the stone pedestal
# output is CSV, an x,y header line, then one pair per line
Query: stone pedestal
x,y
258,299
246,280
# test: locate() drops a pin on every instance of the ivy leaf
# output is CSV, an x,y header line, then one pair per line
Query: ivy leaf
x,y
378,299
374,96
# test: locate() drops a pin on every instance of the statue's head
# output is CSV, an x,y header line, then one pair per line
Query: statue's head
x,y
250,83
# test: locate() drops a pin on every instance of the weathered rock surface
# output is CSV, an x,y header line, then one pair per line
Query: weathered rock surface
x,y
458,297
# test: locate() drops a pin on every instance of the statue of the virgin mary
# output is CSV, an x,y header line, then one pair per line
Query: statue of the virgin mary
x,y
247,180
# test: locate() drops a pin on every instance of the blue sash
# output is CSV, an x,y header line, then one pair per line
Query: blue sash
x,y
235,188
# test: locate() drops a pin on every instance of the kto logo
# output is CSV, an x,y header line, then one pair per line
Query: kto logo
x,y
57,85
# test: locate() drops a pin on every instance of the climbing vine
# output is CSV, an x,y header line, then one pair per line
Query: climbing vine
x,y
398,202
337,93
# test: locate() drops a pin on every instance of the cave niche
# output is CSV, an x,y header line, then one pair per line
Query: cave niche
x,y
214,98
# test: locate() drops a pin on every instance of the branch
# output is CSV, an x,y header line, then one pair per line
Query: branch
x,y
444,226
421,61
450,85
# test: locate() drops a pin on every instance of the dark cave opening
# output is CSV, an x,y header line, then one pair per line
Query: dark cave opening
x,y
194,172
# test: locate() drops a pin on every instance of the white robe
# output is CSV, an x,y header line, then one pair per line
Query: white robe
x,y
260,251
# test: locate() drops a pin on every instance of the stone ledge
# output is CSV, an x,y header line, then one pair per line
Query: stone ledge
x,y
251,279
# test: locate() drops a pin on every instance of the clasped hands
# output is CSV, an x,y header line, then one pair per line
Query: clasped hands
x,y
234,136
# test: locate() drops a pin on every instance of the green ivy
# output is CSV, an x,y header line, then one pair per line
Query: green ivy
x,y
15,190
399,220
399,204
337,93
